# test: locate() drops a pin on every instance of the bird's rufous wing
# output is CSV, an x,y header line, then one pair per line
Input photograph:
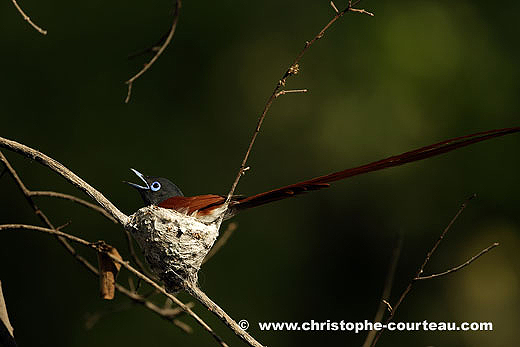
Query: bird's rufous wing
x,y
190,204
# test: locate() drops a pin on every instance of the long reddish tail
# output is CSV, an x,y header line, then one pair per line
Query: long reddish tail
x,y
396,160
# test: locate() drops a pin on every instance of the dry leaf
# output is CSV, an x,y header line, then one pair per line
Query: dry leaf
x,y
108,270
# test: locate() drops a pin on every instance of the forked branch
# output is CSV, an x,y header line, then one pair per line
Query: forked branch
x,y
67,174
161,49
463,265
417,276
292,70
50,194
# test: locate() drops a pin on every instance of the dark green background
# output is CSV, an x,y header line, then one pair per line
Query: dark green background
x,y
416,73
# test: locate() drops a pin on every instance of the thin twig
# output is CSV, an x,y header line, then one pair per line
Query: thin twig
x,y
26,17
221,241
167,41
292,70
387,304
444,232
101,247
133,296
387,289
73,199
63,226
362,11
283,92
14,227
153,48
334,7
421,269
67,174
39,213
456,268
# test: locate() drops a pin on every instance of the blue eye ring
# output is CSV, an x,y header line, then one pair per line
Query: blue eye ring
x,y
155,186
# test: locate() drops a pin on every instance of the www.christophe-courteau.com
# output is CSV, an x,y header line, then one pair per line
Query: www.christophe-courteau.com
x,y
358,327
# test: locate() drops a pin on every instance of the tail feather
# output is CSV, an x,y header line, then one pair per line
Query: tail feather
x,y
396,160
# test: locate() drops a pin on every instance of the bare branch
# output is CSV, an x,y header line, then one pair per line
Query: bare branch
x,y
283,92
101,247
362,11
14,227
334,7
292,70
167,41
73,199
153,48
388,306
421,269
67,174
444,232
456,268
42,216
26,17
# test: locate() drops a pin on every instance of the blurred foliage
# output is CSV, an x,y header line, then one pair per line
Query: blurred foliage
x,y
416,73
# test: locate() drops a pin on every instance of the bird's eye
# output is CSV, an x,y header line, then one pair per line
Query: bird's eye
x,y
155,186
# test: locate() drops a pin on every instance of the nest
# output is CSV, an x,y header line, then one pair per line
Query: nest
x,y
174,244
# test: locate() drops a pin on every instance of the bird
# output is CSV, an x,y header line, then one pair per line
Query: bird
x,y
161,192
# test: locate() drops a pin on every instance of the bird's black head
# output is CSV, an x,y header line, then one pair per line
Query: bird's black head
x,y
156,189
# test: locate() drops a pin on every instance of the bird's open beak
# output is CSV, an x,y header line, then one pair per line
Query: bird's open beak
x,y
141,176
